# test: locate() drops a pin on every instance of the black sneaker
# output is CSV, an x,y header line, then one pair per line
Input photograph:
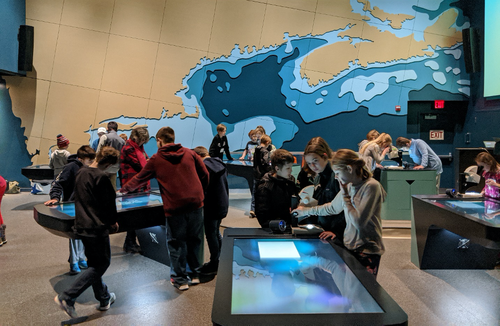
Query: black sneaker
x,y
68,309
132,248
107,304
209,269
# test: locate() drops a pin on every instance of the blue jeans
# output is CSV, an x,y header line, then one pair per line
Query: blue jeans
x,y
76,251
184,240
98,252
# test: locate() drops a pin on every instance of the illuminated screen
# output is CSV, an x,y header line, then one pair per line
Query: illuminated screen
x,y
294,276
122,203
237,162
486,210
491,48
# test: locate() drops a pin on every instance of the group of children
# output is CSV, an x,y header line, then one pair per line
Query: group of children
x,y
187,209
348,201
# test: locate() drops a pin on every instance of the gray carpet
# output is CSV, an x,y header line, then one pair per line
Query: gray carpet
x,y
33,269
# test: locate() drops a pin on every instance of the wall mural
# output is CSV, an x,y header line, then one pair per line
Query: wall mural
x,y
268,86
338,84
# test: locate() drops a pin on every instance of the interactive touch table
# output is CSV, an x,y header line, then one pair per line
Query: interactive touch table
x,y
142,212
135,211
38,172
241,169
454,233
269,279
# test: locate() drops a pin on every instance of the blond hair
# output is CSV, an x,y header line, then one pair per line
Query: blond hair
x,y
383,138
345,157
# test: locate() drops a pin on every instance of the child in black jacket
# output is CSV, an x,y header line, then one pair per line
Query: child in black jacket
x,y
216,205
273,197
262,158
95,219
219,144
62,190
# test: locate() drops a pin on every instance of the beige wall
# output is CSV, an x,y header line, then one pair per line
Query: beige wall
x,y
99,59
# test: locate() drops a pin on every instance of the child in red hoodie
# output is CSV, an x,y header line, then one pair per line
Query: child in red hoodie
x,y
182,178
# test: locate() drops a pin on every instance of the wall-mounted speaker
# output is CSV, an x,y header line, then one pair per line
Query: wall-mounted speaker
x,y
26,38
471,46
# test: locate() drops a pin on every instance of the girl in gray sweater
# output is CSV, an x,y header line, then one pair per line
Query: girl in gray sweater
x,y
360,199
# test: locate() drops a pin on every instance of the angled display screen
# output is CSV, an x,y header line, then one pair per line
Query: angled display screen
x,y
487,210
299,276
122,203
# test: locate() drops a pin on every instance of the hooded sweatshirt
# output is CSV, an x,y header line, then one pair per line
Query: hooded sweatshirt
x,y
181,175
64,183
132,159
364,224
95,204
58,159
217,192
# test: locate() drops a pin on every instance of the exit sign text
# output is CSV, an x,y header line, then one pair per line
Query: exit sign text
x,y
436,135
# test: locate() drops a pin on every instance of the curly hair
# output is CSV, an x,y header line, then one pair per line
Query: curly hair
x,y
108,155
140,134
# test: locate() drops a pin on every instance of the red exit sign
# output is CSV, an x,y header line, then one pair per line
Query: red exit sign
x,y
436,135
439,104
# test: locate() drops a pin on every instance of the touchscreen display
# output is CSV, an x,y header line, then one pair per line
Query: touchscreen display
x,y
486,210
122,203
238,162
294,276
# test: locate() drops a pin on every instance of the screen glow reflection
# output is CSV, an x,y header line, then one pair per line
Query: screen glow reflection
x,y
294,276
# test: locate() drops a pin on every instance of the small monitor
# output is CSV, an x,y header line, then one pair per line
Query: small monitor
x,y
489,144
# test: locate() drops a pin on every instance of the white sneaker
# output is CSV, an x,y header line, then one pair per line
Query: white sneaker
x,y
180,287
183,287
106,305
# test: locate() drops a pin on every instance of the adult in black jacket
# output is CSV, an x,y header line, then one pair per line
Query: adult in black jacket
x,y
273,197
216,205
62,190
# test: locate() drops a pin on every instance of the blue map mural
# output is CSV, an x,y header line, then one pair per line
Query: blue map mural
x,y
13,151
251,87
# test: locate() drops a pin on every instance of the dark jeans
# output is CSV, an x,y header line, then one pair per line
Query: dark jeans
x,y
214,239
98,252
370,261
131,237
184,240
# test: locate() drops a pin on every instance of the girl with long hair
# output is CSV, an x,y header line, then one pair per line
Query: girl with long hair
x,y
360,199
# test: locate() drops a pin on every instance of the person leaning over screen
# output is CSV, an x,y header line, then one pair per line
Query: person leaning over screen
x,y
360,199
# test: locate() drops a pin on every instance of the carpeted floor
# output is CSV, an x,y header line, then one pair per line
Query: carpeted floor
x,y
33,269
